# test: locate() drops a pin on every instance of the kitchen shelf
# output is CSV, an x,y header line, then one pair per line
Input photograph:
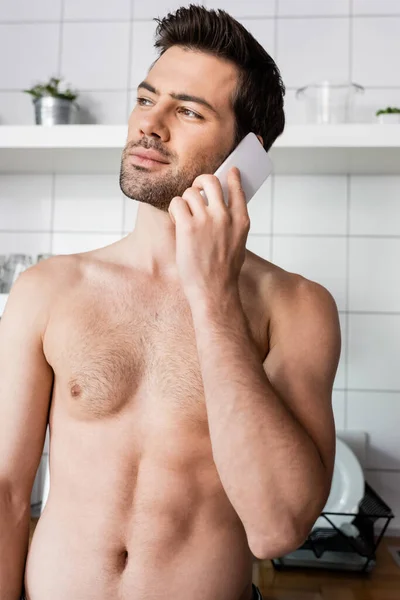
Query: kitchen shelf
x,y
314,149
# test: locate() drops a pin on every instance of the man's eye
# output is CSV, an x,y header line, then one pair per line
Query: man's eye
x,y
192,113
187,111
139,100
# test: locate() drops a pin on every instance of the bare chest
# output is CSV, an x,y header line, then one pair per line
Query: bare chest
x,y
129,351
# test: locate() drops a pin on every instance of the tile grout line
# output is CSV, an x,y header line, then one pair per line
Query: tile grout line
x,y
351,37
276,31
130,47
61,39
255,235
244,16
360,236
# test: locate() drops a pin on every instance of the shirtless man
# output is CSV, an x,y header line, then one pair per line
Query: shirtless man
x,y
185,380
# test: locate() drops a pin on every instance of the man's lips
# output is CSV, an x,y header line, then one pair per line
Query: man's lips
x,y
140,155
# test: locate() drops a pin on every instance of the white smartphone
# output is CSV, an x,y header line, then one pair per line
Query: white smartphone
x,y
253,163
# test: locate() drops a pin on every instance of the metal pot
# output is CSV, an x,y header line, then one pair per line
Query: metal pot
x,y
55,111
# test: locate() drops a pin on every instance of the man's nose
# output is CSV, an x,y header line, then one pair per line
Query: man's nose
x,y
153,123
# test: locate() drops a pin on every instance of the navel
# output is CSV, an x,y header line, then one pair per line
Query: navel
x,y
124,559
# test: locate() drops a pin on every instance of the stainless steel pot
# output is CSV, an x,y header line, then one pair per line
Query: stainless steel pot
x,y
55,111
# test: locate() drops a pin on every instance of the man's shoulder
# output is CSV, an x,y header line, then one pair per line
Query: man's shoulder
x,y
298,309
35,291
273,280
285,291
55,272
42,283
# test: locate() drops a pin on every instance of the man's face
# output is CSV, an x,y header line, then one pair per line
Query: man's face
x,y
191,137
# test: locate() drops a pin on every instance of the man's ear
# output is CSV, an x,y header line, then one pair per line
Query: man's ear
x,y
261,140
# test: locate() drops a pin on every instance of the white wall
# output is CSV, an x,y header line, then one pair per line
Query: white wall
x,y
343,231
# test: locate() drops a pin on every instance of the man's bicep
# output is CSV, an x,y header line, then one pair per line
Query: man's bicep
x,y
25,385
303,360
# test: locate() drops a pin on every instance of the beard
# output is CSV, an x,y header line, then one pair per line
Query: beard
x,y
159,187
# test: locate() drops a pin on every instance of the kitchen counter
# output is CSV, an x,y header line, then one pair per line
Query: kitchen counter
x,y
383,583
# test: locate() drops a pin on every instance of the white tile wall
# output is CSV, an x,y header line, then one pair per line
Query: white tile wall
x,y
25,243
25,202
374,350
149,9
95,55
308,50
105,108
244,8
313,7
130,213
374,274
24,61
143,53
368,411
16,108
375,205
88,203
259,209
92,10
376,7
321,259
69,243
264,32
260,244
339,408
341,375
26,10
371,61
295,109
307,204
341,231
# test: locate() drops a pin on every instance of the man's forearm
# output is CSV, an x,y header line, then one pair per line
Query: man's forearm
x,y
14,543
270,468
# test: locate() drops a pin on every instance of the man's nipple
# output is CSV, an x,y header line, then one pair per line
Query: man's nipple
x,y
76,390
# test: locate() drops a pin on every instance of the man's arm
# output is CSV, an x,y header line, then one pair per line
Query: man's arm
x,y
271,425
25,389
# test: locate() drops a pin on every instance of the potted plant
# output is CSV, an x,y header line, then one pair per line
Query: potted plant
x,y
388,115
54,103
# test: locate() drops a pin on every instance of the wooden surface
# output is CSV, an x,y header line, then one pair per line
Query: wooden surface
x,y
383,583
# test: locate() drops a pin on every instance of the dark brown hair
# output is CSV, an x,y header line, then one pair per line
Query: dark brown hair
x,y
258,100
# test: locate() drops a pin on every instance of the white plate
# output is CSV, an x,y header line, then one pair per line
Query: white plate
x,y
347,488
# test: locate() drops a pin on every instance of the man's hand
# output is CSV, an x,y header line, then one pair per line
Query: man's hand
x,y
210,240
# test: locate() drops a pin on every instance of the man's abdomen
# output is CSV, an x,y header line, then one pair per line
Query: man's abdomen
x,y
179,539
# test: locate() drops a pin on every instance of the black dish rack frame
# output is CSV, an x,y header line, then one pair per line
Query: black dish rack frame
x,y
371,508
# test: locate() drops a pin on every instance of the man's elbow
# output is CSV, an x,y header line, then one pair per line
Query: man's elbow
x,y
279,544
296,531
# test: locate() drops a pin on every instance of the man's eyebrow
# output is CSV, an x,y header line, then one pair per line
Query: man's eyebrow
x,y
184,97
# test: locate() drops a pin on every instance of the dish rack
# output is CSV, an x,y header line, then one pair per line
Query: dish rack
x,y
332,549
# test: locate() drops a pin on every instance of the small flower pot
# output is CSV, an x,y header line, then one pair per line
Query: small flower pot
x,y
51,111
389,118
